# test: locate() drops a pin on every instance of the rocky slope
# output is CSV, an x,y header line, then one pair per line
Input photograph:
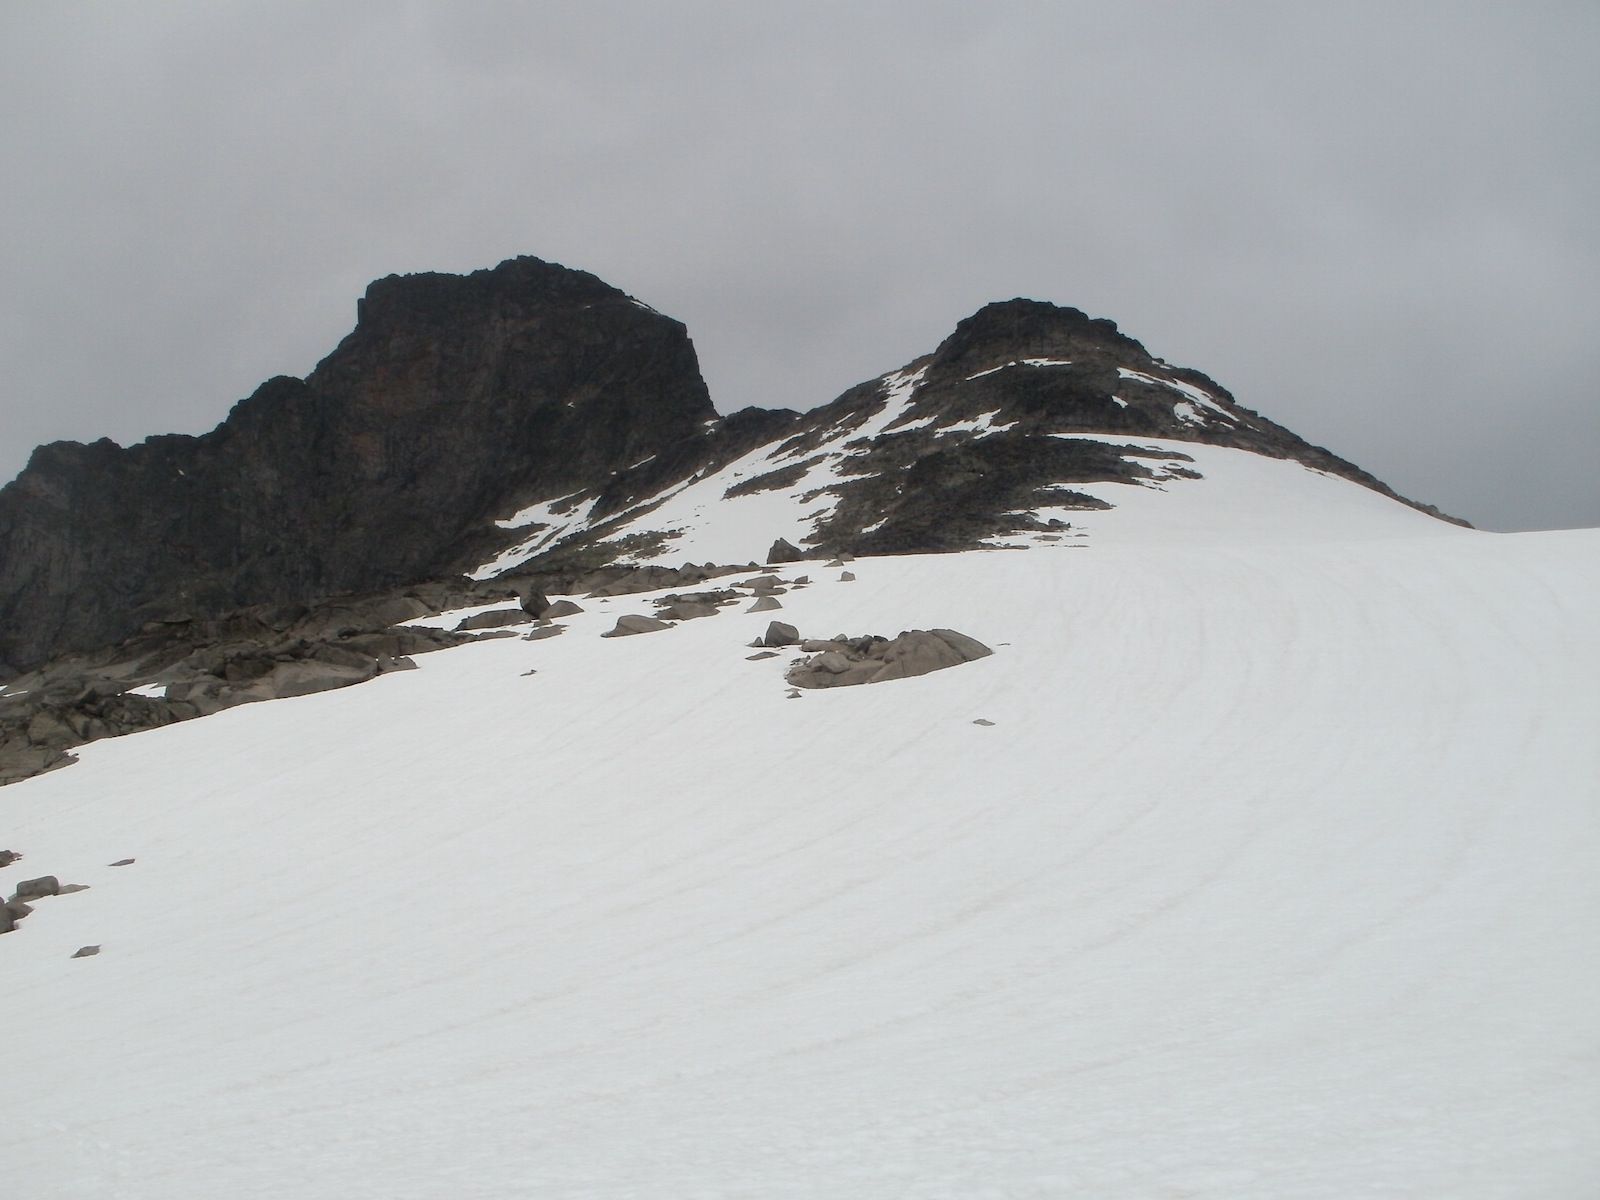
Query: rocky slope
x,y
989,440
454,400
530,429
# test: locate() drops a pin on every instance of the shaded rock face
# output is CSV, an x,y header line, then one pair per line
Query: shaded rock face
x,y
455,400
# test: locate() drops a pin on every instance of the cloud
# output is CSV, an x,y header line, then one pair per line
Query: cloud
x,y
1373,223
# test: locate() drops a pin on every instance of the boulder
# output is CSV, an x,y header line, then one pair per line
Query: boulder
x,y
780,634
561,608
7,857
495,618
86,952
969,648
847,576
535,603
629,625
122,862
8,919
686,611
544,631
784,551
847,661
765,604
22,762
303,677
32,889
762,583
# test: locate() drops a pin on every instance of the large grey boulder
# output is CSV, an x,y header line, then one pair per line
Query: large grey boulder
x,y
32,889
784,551
496,618
780,634
561,608
765,604
843,662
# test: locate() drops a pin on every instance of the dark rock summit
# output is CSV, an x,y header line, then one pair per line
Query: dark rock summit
x,y
455,400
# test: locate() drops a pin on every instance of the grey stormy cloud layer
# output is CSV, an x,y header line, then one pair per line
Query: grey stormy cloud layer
x,y
1373,222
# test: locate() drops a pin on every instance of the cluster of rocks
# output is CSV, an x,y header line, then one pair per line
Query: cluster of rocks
x,y
843,661
21,901
762,591
185,667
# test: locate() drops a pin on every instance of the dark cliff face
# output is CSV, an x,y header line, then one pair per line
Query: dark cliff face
x,y
455,400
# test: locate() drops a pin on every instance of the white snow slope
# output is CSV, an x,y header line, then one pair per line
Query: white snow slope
x,y
1275,876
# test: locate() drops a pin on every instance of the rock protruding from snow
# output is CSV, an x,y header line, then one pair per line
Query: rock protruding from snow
x,y
34,889
785,551
632,624
780,633
497,618
842,662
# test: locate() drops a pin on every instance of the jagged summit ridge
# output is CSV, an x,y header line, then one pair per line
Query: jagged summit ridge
x,y
998,437
532,417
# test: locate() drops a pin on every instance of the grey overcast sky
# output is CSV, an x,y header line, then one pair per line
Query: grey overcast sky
x,y
1378,224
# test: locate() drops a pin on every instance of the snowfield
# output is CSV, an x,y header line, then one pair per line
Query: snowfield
x,y
1275,877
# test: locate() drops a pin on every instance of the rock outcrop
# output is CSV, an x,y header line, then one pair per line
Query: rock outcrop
x,y
843,662
455,401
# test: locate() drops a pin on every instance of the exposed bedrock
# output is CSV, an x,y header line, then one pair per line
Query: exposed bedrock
x,y
454,401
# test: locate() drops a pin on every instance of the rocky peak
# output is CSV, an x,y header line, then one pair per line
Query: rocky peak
x,y
456,400
1022,329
